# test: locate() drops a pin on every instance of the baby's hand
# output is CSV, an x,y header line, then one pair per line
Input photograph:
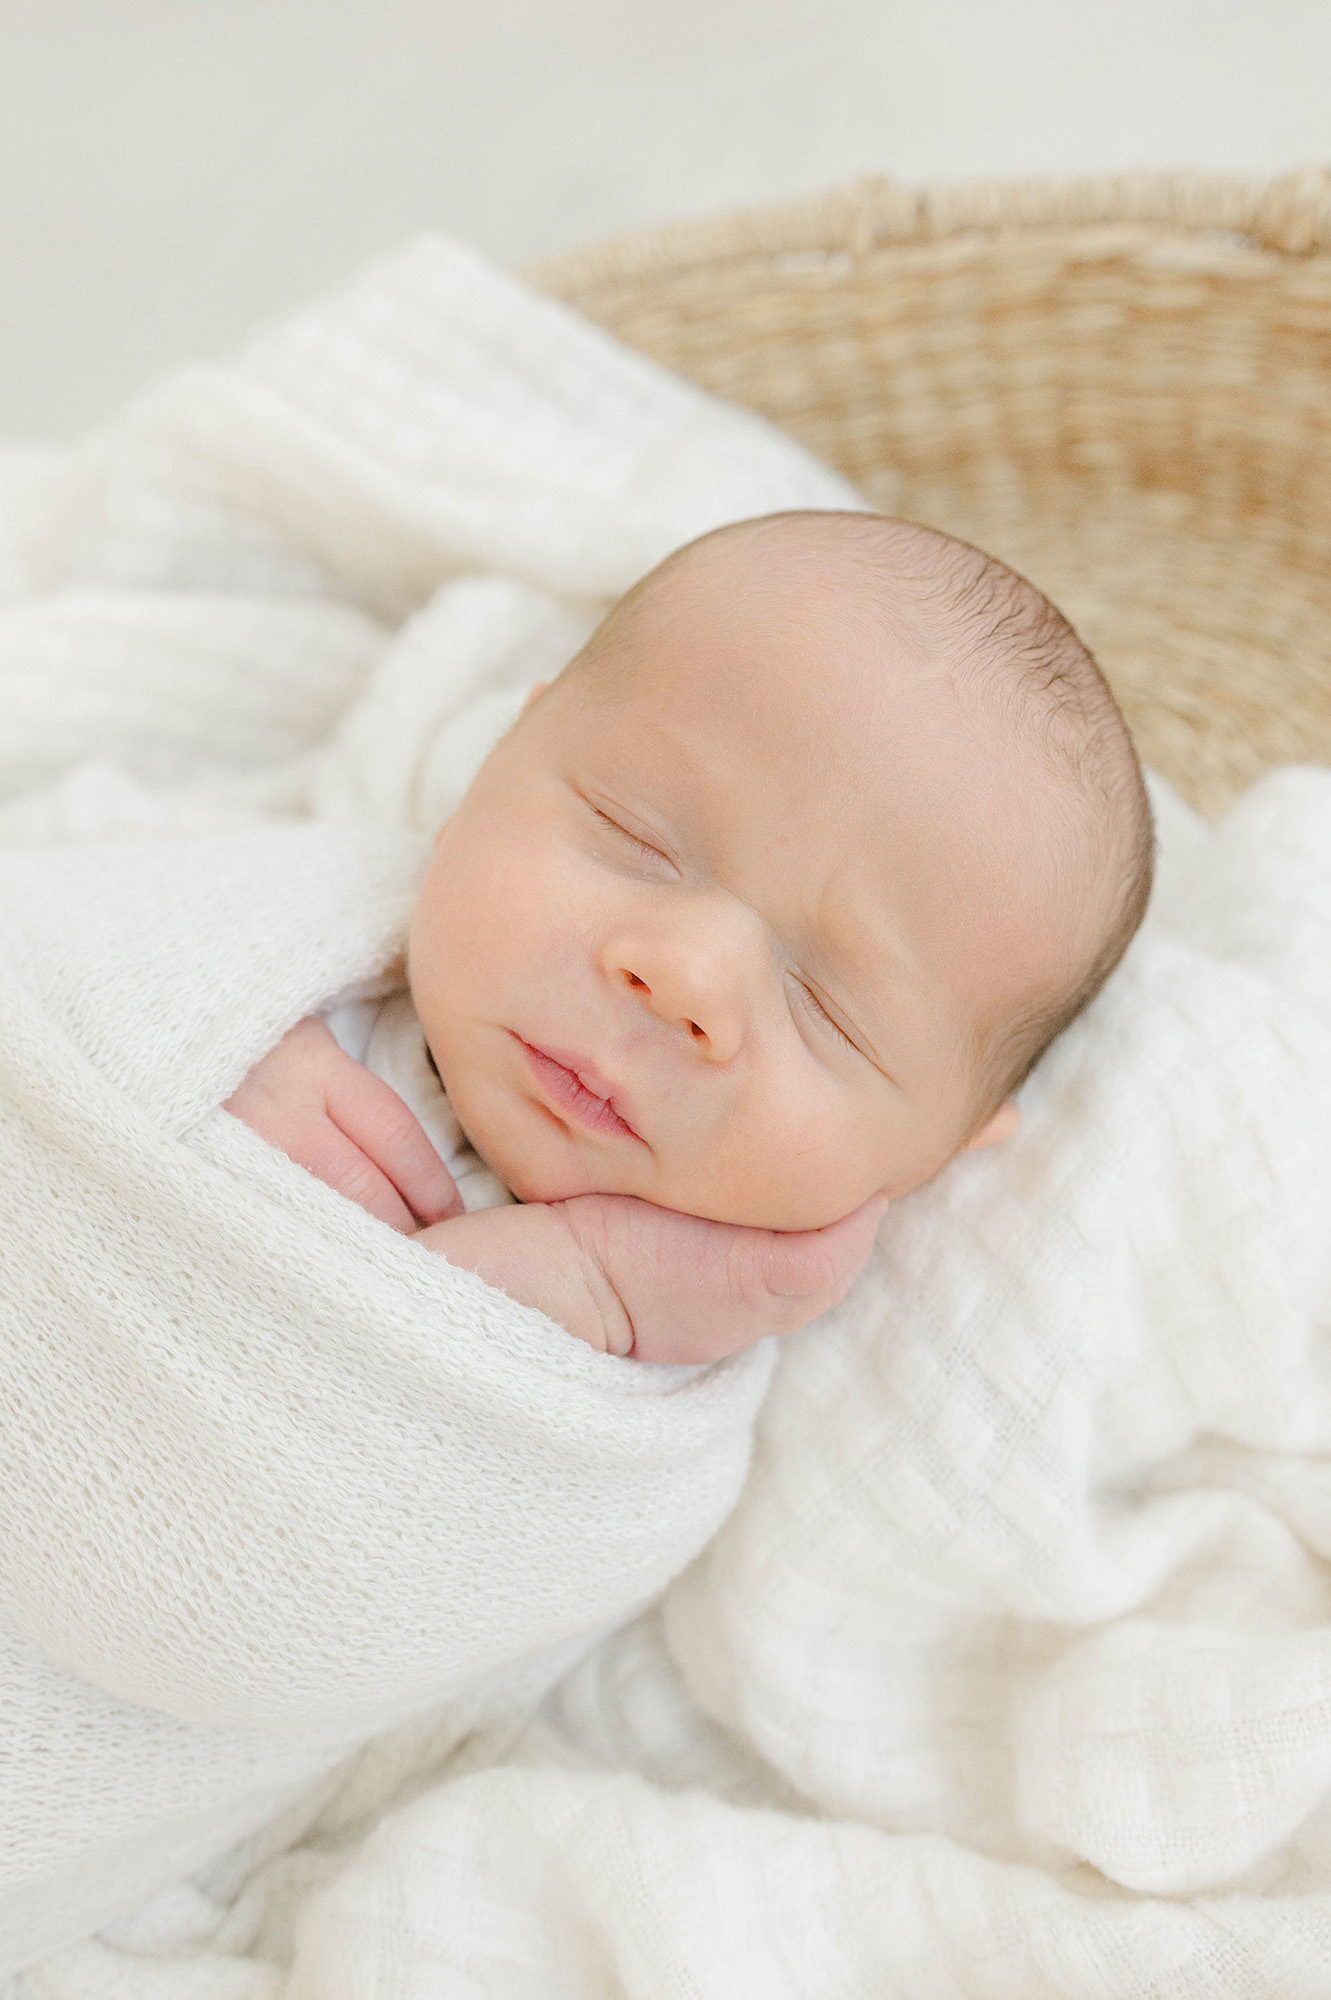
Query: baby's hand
x,y
692,1290
621,1274
630,1278
344,1125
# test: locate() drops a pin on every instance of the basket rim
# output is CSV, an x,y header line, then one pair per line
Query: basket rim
x,y
1288,213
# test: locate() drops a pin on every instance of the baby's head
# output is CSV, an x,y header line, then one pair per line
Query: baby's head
x,y
773,898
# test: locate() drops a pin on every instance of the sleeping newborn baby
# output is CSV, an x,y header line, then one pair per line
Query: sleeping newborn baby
x,y
757,917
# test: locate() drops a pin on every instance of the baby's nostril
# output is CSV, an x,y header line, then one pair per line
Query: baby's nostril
x,y
698,1034
640,985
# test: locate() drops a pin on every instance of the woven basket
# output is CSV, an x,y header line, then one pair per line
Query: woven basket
x,y
1121,385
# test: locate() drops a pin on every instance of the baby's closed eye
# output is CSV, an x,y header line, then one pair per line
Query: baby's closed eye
x,y
643,846
627,839
811,1004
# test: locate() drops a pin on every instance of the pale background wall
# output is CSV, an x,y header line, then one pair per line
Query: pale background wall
x,y
172,171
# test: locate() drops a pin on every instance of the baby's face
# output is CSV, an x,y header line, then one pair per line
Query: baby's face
x,y
723,922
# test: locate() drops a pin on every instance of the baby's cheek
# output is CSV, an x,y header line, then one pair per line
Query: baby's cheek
x,y
773,1165
833,1158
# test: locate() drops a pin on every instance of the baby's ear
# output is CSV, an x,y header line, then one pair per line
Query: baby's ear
x,y
1001,1126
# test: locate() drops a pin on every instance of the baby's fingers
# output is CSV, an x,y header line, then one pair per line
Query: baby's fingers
x,y
328,1154
394,1144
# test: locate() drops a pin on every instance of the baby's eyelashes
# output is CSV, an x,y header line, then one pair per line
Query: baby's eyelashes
x,y
642,846
627,838
814,1005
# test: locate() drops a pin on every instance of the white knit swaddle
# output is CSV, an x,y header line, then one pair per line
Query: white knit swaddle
x,y
268,1466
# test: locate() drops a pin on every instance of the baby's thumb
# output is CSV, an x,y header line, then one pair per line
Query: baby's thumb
x,y
806,1262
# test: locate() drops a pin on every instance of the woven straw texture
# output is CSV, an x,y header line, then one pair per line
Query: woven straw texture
x,y
1122,386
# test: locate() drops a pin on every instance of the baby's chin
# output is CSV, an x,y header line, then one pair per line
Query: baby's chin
x,y
561,1178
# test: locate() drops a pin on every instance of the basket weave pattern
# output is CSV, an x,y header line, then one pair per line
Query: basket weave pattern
x,y
1122,386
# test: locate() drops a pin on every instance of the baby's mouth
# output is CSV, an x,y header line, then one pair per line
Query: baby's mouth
x,y
567,1080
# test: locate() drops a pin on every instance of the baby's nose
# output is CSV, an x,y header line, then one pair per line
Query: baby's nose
x,y
698,997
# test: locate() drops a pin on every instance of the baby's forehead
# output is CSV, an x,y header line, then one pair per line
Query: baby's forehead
x,y
788,623
808,722
825,562
816,619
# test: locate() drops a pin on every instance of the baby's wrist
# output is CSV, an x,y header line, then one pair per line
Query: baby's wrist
x,y
602,1315
535,1255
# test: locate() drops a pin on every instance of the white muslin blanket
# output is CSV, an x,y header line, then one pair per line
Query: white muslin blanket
x,y
1006,1674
